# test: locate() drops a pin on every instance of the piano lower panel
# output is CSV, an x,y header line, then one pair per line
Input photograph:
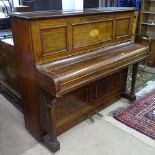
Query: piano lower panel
x,y
77,105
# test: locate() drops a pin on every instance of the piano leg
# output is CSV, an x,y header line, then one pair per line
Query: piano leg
x,y
131,96
50,139
52,143
134,76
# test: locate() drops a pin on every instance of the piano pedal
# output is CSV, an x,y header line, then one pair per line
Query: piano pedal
x,y
98,114
91,119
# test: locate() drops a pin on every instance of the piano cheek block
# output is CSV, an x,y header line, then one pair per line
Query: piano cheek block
x,y
72,65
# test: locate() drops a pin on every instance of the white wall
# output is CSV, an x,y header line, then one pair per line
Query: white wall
x,y
16,2
99,3
72,5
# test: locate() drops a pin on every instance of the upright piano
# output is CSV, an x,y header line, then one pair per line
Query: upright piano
x,y
71,65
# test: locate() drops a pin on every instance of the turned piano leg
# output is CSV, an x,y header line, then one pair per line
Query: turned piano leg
x,y
131,96
50,139
133,83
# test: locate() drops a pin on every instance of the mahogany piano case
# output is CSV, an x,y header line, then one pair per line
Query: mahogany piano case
x,y
71,65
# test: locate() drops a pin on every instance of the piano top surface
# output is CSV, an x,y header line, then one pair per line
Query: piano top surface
x,y
61,13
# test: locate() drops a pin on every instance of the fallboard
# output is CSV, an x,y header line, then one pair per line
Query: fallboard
x,y
61,37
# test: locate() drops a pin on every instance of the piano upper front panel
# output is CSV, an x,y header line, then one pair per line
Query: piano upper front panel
x,y
86,34
54,40
122,27
58,38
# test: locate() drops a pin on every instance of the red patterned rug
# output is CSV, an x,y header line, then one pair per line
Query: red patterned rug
x,y
140,115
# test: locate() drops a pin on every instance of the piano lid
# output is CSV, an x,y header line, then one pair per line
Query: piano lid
x,y
65,75
61,13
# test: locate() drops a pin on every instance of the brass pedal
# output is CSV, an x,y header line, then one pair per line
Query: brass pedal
x,y
98,114
91,119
